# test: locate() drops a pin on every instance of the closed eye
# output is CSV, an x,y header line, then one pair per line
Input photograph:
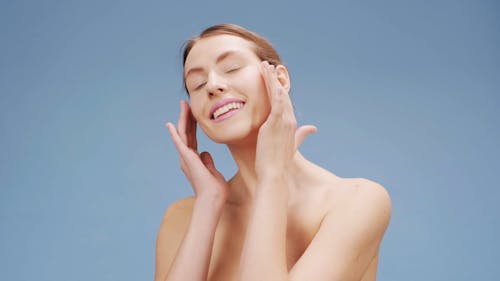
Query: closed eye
x,y
233,69
200,86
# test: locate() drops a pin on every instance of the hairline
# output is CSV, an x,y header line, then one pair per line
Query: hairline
x,y
232,51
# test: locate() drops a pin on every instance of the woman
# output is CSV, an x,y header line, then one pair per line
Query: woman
x,y
280,217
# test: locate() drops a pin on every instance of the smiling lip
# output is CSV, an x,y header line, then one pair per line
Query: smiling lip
x,y
221,103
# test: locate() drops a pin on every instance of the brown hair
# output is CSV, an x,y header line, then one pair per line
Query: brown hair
x,y
262,48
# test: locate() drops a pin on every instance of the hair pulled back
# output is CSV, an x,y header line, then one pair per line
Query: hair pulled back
x,y
261,47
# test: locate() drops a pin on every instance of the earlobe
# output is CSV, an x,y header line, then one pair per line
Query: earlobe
x,y
283,77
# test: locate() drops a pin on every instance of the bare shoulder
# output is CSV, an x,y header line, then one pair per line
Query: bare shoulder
x,y
179,210
172,229
363,198
176,220
345,247
367,190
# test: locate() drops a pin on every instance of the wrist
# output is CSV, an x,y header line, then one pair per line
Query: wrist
x,y
271,178
270,185
210,204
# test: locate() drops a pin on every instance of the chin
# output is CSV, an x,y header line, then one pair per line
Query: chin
x,y
233,135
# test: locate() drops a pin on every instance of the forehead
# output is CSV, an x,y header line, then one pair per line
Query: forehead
x,y
207,49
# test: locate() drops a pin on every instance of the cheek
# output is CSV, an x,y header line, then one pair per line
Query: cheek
x,y
255,84
196,109
262,96
256,92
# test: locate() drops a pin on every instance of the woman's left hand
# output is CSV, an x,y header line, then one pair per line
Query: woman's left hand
x,y
279,136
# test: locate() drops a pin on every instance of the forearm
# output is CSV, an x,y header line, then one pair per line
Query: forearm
x,y
264,251
193,256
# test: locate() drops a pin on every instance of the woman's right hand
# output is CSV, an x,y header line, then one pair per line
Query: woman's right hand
x,y
208,183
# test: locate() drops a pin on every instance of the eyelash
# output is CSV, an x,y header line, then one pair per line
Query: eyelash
x,y
199,86
231,70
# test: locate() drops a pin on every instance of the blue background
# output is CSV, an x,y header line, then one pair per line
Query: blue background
x,y
403,93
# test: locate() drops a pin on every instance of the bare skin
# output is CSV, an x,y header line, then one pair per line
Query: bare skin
x,y
280,217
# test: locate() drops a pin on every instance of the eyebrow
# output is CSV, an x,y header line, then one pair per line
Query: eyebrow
x,y
219,59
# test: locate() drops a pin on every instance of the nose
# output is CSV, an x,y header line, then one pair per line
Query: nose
x,y
216,85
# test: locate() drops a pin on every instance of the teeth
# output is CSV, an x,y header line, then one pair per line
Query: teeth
x,y
223,109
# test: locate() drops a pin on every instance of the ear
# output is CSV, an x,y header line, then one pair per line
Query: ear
x,y
283,77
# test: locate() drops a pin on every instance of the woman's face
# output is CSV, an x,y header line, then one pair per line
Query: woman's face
x,y
228,96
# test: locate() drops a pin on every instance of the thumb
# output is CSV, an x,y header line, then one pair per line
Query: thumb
x,y
302,132
208,161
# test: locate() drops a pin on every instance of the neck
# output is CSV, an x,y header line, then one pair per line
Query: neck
x,y
244,182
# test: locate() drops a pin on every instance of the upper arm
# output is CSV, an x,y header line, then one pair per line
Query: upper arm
x,y
348,238
172,230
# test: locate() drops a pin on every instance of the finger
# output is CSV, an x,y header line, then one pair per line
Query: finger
x,y
267,80
182,122
208,161
282,93
302,132
190,128
174,135
271,80
273,88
